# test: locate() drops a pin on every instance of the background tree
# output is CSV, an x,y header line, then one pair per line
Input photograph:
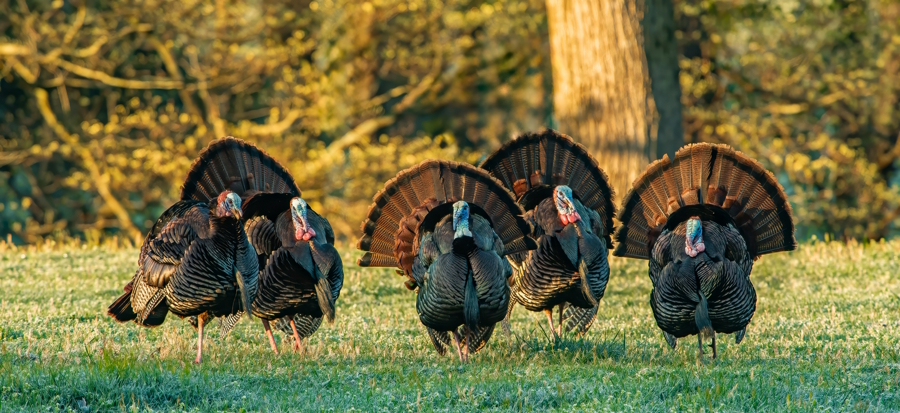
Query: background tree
x,y
601,81
105,103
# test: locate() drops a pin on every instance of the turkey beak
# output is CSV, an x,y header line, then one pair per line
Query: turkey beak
x,y
235,211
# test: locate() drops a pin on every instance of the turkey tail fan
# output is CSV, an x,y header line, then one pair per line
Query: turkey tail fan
x,y
476,339
236,165
121,309
414,200
227,324
269,205
532,164
579,320
712,181
306,325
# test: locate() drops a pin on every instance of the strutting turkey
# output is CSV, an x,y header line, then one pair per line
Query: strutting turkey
x,y
569,202
302,272
447,226
701,220
196,261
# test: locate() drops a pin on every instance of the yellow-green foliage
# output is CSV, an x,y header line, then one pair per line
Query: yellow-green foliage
x,y
811,89
344,185
105,103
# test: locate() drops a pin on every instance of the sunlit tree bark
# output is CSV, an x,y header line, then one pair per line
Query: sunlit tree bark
x,y
601,82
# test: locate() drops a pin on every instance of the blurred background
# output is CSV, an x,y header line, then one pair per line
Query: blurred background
x,y
104,104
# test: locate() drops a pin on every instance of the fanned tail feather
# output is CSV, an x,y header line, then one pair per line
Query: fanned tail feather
x,y
579,319
236,165
151,314
716,183
227,324
418,196
121,309
439,339
533,164
306,325
476,339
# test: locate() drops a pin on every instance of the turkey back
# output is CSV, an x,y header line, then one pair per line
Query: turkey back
x,y
236,165
414,201
716,183
533,164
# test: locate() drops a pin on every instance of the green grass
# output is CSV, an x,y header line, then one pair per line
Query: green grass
x,y
826,336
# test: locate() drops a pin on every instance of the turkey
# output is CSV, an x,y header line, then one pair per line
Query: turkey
x,y
196,262
701,220
302,272
447,226
569,203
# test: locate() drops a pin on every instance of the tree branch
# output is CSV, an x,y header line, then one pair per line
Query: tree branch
x,y
118,82
22,70
278,127
12,49
172,68
888,158
366,128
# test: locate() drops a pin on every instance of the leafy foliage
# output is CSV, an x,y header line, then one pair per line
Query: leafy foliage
x,y
106,103
811,89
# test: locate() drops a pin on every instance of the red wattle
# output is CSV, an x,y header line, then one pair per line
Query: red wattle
x,y
304,234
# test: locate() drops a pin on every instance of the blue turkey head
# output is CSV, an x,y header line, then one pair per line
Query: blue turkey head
x,y
565,205
228,205
302,230
693,232
461,220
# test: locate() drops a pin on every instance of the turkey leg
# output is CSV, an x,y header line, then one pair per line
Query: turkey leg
x,y
549,314
269,334
713,345
297,344
199,340
456,341
465,348
559,328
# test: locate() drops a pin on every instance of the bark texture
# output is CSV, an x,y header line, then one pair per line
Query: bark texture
x,y
601,82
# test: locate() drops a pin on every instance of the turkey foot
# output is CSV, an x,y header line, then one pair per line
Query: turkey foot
x,y
269,334
700,345
297,343
199,340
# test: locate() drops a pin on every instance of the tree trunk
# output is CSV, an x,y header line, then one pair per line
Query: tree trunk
x,y
601,83
661,50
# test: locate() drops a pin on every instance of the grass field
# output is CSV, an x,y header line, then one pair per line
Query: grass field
x,y
825,337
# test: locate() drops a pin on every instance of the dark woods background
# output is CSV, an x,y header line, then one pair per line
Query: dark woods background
x,y
103,104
